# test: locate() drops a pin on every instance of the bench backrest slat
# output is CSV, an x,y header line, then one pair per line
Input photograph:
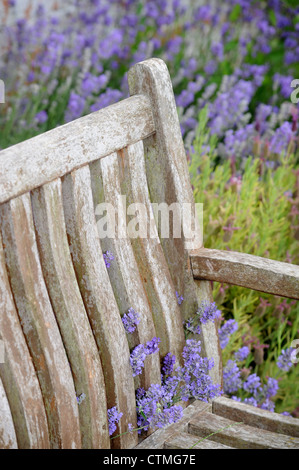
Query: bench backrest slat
x,y
123,272
98,297
38,322
51,155
70,313
24,394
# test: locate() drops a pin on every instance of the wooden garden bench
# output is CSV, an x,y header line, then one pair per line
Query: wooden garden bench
x,y
61,308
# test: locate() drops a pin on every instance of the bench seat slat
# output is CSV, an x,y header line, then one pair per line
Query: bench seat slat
x,y
18,373
253,416
70,313
99,299
239,435
39,323
123,272
184,440
48,156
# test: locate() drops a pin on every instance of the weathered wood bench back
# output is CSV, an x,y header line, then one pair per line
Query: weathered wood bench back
x,y
60,307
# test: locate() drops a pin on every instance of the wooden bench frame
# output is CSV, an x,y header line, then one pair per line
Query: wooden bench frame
x,y
61,309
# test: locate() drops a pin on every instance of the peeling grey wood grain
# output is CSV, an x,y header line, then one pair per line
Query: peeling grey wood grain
x,y
150,257
70,313
99,300
39,323
48,156
257,417
18,374
238,435
253,272
123,272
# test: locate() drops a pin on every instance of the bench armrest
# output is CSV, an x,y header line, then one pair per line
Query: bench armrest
x,y
253,272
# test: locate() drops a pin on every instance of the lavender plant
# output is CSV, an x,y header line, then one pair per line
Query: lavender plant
x,y
158,406
73,63
252,207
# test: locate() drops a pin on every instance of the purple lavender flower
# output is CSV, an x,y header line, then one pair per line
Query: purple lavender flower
x,y
281,138
250,401
41,117
180,298
113,418
80,398
191,326
108,256
284,360
152,346
167,416
217,50
130,428
267,405
225,332
139,354
252,384
110,96
168,364
137,359
75,107
271,388
208,311
130,320
242,354
231,377
195,373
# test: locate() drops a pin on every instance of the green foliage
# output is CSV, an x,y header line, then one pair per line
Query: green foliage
x,y
251,212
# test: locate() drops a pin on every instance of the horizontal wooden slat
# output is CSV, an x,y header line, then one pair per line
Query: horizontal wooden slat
x,y
239,435
48,156
253,416
253,272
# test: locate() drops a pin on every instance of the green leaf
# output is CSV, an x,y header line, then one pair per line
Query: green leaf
x,y
235,13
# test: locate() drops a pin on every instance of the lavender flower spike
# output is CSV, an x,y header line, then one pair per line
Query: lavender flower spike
x,y
284,360
108,256
208,311
130,320
113,418
227,329
137,359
